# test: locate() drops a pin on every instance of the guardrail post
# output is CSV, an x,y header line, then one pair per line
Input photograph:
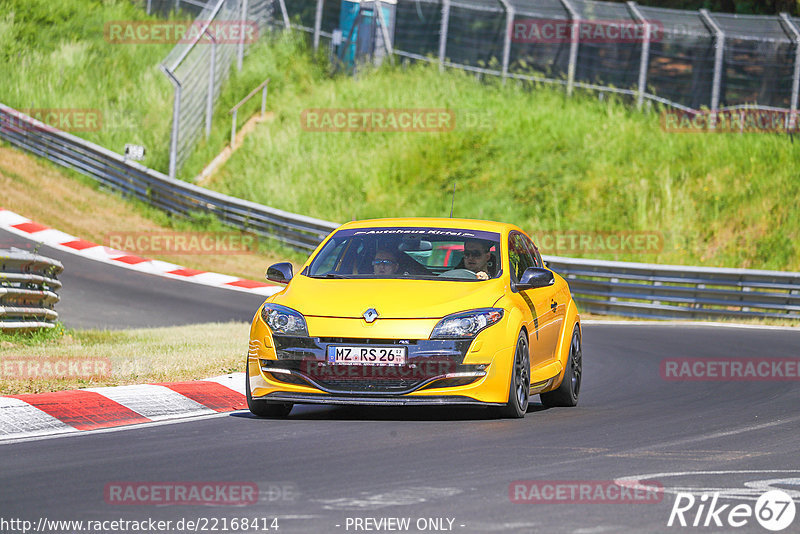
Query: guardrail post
x,y
507,40
242,22
645,58
318,23
573,47
443,29
719,51
791,28
211,77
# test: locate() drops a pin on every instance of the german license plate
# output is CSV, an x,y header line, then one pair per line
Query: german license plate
x,y
369,355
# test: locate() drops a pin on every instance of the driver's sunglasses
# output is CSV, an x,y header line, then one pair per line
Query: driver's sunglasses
x,y
473,253
384,262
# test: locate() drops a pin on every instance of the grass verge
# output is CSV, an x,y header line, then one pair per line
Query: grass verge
x,y
132,356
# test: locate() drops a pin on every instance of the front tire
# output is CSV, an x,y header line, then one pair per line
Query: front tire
x,y
261,408
520,383
567,393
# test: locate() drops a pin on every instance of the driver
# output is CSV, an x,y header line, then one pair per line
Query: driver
x,y
477,256
386,261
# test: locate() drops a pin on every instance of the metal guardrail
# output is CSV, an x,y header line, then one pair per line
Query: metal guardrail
x,y
156,189
28,285
674,291
604,287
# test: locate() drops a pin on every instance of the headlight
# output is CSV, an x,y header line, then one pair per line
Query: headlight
x,y
284,321
466,324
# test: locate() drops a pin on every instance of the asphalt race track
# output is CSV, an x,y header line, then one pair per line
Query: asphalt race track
x,y
331,469
99,295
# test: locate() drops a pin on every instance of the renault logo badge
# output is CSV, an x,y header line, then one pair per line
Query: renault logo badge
x,y
370,315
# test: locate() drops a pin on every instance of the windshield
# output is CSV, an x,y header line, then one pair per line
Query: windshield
x,y
415,253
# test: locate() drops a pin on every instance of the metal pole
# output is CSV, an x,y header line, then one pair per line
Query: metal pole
x,y
211,77
507,41
285,14
384,30
318,23
176,115
177,2
644,60
242,22
719,45
573,47
264,100
443,33
149,6
795,34
233,127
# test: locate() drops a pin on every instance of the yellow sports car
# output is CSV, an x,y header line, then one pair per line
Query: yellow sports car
x,y
381,314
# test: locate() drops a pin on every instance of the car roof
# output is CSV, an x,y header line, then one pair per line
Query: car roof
x,y
433,222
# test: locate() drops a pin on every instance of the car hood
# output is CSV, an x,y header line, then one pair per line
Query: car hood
x,y
393,299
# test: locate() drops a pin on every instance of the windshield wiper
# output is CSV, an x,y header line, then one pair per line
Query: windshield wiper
x,y
330,275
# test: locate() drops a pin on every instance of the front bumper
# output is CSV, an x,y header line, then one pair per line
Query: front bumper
x,y
437,400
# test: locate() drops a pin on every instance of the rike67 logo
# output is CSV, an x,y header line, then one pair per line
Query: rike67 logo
x,y
774,510
726,501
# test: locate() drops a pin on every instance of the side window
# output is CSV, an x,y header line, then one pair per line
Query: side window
x,y
519,256
534,252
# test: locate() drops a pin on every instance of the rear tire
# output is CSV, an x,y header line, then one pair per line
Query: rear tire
x,y
261,408
520,381
567,393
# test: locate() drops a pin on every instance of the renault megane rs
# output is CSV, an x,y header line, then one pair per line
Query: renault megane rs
x,y
381,314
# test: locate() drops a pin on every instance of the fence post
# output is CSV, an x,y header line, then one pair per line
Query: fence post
x,y
149,6
507,40
644,60
176,115
285,14
264,100
443,33
242,19
211,77
794,33
719,51
318,24
573,47
387,44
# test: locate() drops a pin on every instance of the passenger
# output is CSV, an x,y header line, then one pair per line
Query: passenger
x,y
477,256
386,262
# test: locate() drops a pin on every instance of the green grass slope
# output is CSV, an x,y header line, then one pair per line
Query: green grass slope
x,y
535,157
53,54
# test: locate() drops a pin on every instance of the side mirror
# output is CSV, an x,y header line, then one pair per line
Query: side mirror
x,y
280,272
535,277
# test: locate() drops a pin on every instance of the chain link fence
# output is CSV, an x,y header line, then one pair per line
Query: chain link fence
x,y
686,59
198,67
